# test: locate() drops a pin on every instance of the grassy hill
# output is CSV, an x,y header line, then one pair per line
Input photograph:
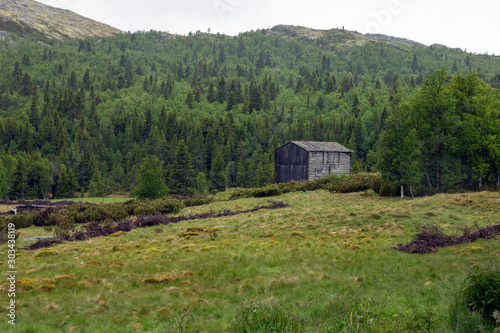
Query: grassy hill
x,y
324,264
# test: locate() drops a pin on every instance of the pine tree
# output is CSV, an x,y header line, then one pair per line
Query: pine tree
x,y
221,90
211,96
217,174
320,103
201,184
150,180
399,151
96,186
67,185
182,180
20,183
4,184
26,86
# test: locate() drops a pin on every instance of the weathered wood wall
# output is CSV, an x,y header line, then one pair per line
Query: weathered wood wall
x,y
293,162
323,163
290,163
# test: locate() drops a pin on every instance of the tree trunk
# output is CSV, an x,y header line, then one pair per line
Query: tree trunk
x,y
402,192
428,178
411,192
498,178
438,173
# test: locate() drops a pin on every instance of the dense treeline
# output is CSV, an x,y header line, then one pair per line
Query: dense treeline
x,y
207,111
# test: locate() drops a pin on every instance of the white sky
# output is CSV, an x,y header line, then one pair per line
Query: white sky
x,y
471,25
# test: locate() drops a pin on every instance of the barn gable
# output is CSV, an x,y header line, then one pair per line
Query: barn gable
x,y
307,160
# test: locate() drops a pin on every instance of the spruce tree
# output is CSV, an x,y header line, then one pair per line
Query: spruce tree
x,y
217,174
4,184
201,184
67,185
182,180
96,187
151,183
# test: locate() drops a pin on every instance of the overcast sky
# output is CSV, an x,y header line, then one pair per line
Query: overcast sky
x,y
471,25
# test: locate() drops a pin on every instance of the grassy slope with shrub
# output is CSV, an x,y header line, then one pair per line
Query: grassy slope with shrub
x,y
322,265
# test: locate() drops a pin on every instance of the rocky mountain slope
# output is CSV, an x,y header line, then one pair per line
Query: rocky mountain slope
x,y
338,38
28,18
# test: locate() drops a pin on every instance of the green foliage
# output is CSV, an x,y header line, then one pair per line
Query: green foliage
x,y
354,183
151,184
217,172
162,206
27,220
67,184
84,213
197,201
481,291
96,187
387,189
201,184
106,105
182,180
267,191
4,184
376,183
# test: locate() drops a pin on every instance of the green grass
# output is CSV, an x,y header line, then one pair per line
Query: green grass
x,y
323,265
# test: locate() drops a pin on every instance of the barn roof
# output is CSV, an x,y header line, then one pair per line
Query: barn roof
x,y
322,146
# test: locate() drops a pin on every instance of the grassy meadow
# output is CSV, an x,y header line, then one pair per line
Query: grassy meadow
x,y
324,264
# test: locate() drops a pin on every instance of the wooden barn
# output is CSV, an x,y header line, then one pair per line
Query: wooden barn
x,y
308,160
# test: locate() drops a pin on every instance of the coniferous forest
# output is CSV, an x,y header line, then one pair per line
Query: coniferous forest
x,y
206,111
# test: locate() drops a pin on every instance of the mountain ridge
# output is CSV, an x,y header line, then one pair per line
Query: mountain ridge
x,y
339,38
29,18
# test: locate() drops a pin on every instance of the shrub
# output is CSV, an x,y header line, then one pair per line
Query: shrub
x,y
162,206
482,291
376,183
84,213
197,201
387,189
241,193
268,191
353,183
27,220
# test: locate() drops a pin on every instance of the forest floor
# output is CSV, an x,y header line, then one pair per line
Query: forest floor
x,y
325,263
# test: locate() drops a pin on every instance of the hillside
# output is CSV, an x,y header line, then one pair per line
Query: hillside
x,y
338,38
324,263
28,18
84,115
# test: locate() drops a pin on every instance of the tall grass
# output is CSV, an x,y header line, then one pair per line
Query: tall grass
x,y
324,264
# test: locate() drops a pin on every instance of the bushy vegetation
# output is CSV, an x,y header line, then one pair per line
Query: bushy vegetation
x,y
112,212
481,291
476,306
334,183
